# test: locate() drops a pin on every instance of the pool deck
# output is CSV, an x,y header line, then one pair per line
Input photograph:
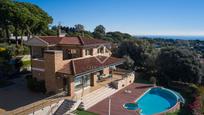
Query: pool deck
x,y
120,98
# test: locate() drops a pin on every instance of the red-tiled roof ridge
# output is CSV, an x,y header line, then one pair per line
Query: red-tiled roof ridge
x,y
73,67
53,40
70,41
81,40
37,37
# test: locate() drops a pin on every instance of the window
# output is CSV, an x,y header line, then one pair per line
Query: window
x,y
100,50
70,53
81,81
87,51
37,52
73,51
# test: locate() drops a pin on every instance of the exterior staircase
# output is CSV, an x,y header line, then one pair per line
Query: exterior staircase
x,y
66,107
97,96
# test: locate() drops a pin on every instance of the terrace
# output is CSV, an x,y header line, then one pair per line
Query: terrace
x,y
112,79
120,98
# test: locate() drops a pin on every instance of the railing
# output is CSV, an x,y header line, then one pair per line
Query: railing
x,y
32,108
56,105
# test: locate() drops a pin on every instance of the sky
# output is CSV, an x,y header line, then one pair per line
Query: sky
x,y
136,17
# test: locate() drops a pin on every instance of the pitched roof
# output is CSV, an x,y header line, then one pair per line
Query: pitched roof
x,y
89,64
54,40
51,40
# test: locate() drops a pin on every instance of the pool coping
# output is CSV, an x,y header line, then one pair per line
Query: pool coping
x,y
168,110
138,98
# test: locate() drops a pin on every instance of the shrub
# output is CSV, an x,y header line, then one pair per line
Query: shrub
x,y
26,50
80,109
201,90
6,54
192,95
196,106
2,49
26,63
34,85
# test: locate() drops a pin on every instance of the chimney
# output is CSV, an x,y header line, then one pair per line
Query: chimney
x,y
59,31
52,63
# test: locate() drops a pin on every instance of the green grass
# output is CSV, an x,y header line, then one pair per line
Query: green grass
x,y
173,113
26,63
83,112
6,45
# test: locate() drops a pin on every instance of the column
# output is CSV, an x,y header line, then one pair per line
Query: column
x,y
93,79
70,86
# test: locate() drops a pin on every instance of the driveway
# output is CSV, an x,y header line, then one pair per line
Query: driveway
x,y
17,95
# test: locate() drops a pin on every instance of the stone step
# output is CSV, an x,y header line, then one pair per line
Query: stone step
x,y
94,98
90,97
94,92
64,107
98,100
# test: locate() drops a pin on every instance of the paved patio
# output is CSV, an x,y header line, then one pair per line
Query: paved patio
x,y
17,95
120,98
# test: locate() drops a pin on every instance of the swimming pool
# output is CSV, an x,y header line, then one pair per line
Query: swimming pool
x,y
155,100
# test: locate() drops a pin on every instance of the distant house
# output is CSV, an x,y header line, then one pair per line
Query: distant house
x,y
71,63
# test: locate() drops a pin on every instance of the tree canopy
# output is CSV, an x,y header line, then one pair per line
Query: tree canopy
x,y
99,32
178,64
25,18
138,50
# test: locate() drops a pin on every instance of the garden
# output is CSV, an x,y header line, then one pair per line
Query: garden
x,y
177,68
11,63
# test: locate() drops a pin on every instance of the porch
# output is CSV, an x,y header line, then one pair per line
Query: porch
x,y
82,85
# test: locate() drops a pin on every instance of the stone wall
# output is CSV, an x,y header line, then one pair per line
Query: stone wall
x,y
53,62
171,110
127,80
38,69
40,75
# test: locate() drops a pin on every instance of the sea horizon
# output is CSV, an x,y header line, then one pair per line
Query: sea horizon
x,y
180,37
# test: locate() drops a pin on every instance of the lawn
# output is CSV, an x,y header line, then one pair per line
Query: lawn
x,y
83,112
173,113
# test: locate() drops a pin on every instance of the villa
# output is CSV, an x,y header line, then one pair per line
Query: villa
x,y
76,64
72,63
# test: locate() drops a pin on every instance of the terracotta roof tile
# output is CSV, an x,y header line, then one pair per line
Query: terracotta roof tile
x,y
53,40
70,41
67,69
93,41
89,64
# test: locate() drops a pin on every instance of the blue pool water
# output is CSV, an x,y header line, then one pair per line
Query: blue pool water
x,y
131,106
156,100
